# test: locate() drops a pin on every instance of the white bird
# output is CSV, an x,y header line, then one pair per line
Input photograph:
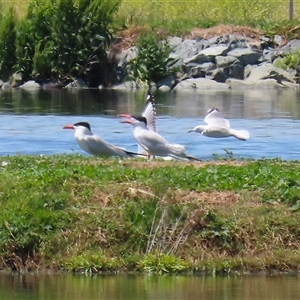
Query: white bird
x,y
152,142
219,127
93,144
149,113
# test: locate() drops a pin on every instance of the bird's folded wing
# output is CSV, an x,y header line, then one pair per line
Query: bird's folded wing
x,y
98,146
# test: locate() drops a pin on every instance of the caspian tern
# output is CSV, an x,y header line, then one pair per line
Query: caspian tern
x,y
149,113
93,144
219,127
152,142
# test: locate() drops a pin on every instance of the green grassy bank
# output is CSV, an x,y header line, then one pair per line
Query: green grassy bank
x,y
85,214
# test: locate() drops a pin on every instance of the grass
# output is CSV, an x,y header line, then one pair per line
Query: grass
x,y
90,215
179,17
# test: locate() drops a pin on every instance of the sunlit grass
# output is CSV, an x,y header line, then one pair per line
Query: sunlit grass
x,y
91,215
180,16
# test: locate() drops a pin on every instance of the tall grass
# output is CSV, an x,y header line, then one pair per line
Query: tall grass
x,y
179,16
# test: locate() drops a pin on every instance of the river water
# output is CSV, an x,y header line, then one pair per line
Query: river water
x,y
31,121
148,287
31,124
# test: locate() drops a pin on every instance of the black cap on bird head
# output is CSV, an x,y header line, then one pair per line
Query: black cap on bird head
x,y
141,119
84,124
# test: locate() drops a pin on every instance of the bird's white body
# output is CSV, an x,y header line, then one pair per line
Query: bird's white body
x,y
219,127
154,143
93,144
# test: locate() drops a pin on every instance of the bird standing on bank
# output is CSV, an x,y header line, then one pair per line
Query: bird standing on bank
x,y
93,144
219,127
152,142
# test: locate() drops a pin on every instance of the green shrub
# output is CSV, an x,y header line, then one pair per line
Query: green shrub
x,y
7,44
152,62
64,38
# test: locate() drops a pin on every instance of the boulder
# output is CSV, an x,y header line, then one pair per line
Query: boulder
x,y
269,71
30,85
200,84
246,55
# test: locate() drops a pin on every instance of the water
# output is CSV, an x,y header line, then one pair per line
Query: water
x,y
31,121
148,287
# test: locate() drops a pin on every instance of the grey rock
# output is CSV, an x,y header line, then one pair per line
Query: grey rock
x,y
291,46
200,84
16,80
174,41
218,75
246,55
215,51
225,61
236,71
77,84
198,58
30,85
1,83
269,71
6,86
278,39
169,82
248,69
202,69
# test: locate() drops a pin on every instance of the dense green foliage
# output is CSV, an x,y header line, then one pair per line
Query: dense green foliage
x,y
90,215
152,62
63,38
7,44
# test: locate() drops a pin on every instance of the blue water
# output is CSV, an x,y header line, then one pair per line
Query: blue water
x,y
36,127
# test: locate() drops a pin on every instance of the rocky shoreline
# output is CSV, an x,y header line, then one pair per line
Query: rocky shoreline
x,y
234,60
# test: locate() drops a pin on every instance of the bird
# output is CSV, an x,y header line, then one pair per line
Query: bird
x,y
219,127
95,145
149,113
152,142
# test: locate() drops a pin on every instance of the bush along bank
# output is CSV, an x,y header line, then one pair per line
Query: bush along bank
x,y
239,58
89,215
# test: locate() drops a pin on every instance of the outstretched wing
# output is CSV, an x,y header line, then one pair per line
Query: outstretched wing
x,y
215,118
150,113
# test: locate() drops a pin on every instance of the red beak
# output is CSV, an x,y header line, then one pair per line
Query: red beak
x,y
124,116
68,127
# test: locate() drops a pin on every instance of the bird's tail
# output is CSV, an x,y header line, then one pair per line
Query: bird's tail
x,y
134,154
242,135
179,151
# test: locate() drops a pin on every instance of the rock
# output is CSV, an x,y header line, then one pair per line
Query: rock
x,y
16,80
6,86
174,41
200,84
30,85
199,58
225,61
246,55
268,71
236,84
218,75
77,84
128,85
1,83
212,52
169,82
201,70
291,46
236,71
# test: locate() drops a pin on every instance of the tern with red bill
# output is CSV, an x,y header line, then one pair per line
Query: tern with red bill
x,y
219,127
151,141
93,144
